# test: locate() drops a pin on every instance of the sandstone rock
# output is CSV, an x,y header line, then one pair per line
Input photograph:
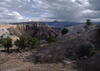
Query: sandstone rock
x,y
38,30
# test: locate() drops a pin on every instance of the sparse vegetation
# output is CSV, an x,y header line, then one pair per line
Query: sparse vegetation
x,y
86,49
51,39
64,31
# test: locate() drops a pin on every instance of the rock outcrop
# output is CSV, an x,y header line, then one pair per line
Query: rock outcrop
x,y
38,30
4,33
79,29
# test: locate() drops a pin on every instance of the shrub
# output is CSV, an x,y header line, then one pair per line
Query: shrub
x,y
88,22
0,41
51,39
2,36
29,42
7,42
78,32
86,27
36,42
11,33
86,49
64,31
21,43
33,42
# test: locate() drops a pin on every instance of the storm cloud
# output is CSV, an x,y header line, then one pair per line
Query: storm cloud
x,y
49,10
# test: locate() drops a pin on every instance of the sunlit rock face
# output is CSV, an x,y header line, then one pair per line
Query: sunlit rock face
x,y
38,30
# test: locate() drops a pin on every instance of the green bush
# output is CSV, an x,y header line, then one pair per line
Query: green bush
x,y
64,31
11,33
86,49
51,39
36,42
7,43
29,42
88,22
21,42
33,42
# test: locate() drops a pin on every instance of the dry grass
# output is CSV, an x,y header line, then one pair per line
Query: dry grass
x,y
20,62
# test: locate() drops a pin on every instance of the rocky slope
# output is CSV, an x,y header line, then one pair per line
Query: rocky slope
x,y
66,47
38,30
80,29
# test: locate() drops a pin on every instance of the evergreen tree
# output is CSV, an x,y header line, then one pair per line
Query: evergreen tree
x,y
88,22
21,42
29,42
64,31
7,42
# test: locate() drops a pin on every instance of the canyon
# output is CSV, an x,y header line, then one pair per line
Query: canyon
x,y
38,30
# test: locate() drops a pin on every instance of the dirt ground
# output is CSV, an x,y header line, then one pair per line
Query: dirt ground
x,y
24,61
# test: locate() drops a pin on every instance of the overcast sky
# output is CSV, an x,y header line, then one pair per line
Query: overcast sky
x,y
49,10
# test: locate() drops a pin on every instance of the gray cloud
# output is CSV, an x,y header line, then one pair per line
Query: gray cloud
x,y
68,10
45,10
63,10
94,5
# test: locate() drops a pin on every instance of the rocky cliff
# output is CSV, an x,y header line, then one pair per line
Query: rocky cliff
x,y
38,30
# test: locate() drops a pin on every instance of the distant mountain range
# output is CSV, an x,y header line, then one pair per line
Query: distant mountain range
x,y
58,24
61,24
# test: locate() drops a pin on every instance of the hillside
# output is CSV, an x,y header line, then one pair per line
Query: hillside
x,y
66,47
62,55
